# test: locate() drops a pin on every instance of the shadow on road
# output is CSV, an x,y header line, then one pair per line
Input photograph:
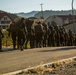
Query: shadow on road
x,y
8,49
50,50
59,49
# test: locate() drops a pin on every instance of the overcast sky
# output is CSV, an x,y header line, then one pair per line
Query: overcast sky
x,y
15,6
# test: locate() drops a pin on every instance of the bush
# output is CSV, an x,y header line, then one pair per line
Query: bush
x,y
6,41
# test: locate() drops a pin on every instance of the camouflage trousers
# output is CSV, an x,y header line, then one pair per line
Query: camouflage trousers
x,y
39,40
0,42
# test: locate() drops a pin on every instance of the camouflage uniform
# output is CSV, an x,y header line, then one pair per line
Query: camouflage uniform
x,y
51,38
61,32
39,34
75,40
1,36
30,33
57,35
21,33
70,38
46,32
11,29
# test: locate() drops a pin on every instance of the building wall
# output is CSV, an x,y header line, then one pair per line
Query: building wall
x,y
56,19
5,20
72,27
61,22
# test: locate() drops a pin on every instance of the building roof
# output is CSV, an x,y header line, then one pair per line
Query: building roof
x,y
11,16
1,15
64,17
69,17
69,23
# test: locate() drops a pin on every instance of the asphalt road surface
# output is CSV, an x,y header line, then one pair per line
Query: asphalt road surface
x,y
13,60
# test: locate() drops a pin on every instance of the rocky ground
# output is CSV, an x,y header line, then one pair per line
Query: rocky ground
x,y
65,68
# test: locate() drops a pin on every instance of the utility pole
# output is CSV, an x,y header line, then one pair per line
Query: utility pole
x,y
72,8
41,9
73,15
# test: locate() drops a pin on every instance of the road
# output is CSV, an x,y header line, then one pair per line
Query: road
x,y
12,60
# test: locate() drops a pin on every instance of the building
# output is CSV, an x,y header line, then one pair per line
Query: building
x,y
61,19
68,21
6,18
71,26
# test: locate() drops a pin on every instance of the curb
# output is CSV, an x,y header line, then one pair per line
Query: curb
x,y
51,66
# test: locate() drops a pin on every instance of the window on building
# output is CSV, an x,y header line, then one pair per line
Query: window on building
x,y
5,22
2,22
5,18
4,27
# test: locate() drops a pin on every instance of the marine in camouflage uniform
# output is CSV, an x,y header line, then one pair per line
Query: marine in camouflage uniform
x,y
1,36
30,33
51,37
61,32
74,39
70,43
57,35
21,33
45,34
13,33
66,37
39,31
18,33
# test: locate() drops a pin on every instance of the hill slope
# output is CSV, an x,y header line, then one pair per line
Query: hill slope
x,y
27,15
46,13
50,12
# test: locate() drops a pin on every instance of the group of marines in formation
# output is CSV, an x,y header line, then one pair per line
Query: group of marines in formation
x,y
39,34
